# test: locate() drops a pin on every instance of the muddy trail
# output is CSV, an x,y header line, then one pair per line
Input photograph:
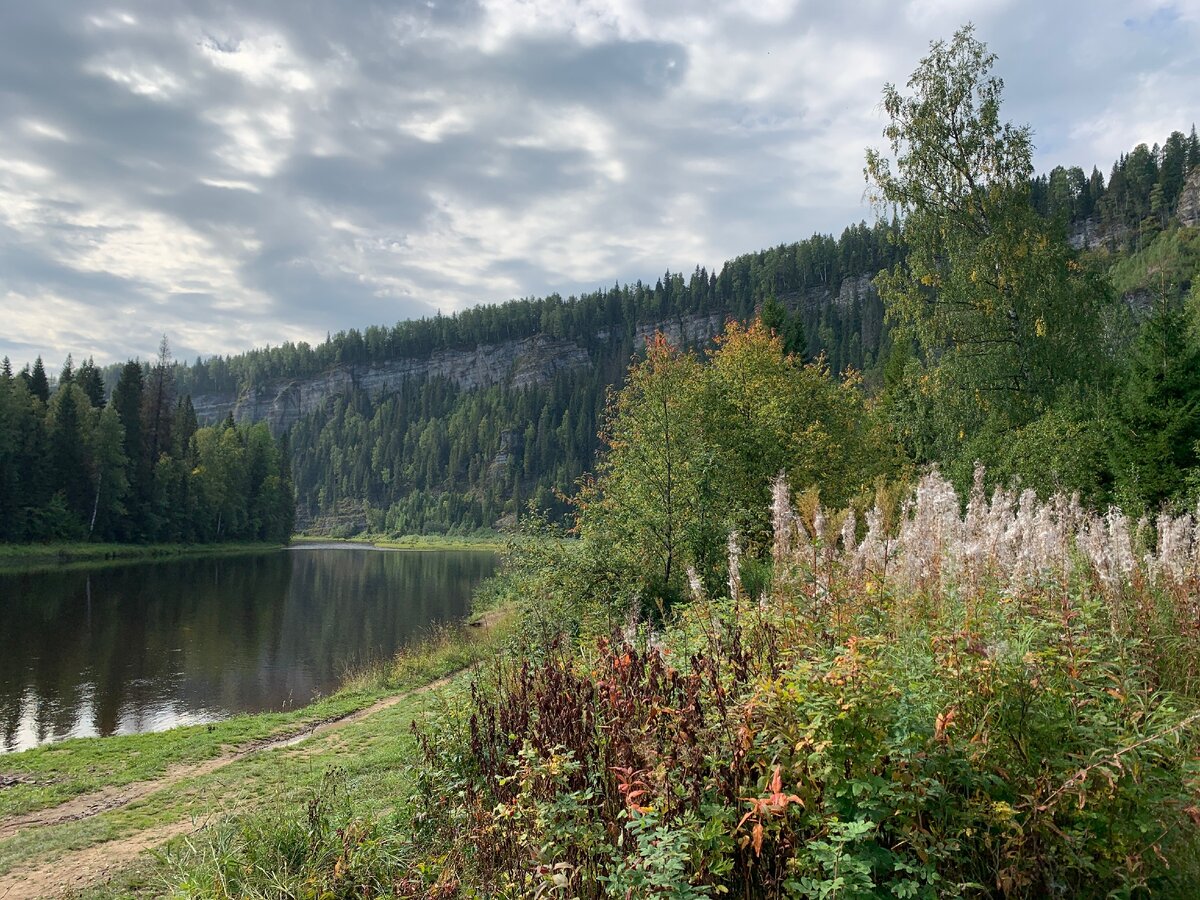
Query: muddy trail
x,y
78,869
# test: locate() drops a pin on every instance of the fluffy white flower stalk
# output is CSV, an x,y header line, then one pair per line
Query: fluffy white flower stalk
x,y
695,584
1070,517
997,529
1120,544
871,554
976,541
735,574
783,519
820,545
1174,546
977,508
933,527
1092,541
1195,555
1023,536
849,534
1048,546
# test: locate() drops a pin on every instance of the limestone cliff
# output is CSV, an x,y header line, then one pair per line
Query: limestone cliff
x,y
519,364
1187,209
282,402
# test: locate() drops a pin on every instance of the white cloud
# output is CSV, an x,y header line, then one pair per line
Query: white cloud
x,y
252,173
264,60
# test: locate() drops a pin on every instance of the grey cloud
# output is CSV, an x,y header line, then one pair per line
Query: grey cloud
x,y
609,72
435,164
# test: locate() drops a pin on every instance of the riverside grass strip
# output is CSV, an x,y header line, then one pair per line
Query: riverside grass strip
x,y
372,755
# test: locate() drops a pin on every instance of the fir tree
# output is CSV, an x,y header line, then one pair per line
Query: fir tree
x,y
127,401
1158,412
91,381
68,458
39,384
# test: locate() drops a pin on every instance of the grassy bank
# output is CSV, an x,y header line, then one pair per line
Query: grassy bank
x,y
35,556
31,557
266,801
481,541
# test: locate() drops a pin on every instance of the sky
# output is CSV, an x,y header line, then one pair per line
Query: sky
x,y
240,174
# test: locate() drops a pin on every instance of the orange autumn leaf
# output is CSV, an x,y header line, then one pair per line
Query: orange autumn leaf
x,y
943,722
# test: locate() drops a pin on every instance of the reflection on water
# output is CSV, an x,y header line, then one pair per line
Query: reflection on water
x,y
143,647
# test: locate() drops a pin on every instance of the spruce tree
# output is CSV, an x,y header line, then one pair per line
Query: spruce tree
x,y
183,427
68,457
39,384
92,383
127,401
1158,412
158,406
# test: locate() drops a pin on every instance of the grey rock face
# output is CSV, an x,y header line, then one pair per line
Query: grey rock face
x,y
682,331
1090,233
281,402
1187,209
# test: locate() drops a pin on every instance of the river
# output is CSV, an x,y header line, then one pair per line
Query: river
x,y
116,649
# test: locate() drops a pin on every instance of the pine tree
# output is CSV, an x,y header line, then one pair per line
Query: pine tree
x,y
39,384
127,401
1158,412
68,457
91,381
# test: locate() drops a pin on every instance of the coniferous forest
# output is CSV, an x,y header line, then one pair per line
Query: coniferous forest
x,y
132,465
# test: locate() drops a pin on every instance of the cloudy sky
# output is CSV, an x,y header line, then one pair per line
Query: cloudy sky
x,y
235,174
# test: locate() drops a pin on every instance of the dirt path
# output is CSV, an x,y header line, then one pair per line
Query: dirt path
x,y
82,868
87,805
78,869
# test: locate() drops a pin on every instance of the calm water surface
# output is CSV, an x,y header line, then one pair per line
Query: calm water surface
x,y
146,646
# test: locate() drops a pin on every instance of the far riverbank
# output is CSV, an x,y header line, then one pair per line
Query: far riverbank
x,y
492,540
63,553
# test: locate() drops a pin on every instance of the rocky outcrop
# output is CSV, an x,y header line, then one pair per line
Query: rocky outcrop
x,y
684,331
858,287
519,364
282,402
1090,233
1187,209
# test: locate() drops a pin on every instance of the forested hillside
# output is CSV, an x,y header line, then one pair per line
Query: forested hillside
x,y
433,453
434,456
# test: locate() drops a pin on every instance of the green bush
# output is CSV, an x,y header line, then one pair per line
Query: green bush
x,y
743,753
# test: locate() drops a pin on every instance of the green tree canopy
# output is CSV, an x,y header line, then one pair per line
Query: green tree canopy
x,y
1001,314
